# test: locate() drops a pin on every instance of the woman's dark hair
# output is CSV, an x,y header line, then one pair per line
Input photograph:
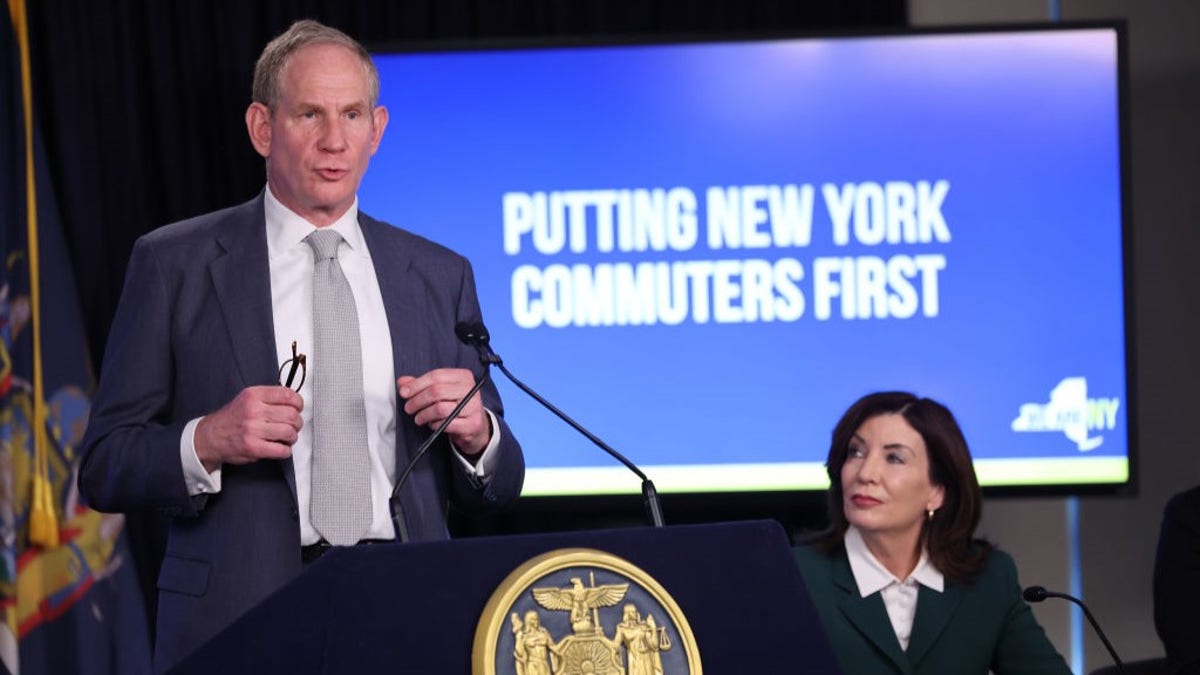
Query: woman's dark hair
x,y
949,536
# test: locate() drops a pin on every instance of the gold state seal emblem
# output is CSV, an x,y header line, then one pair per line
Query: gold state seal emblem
x,y
620,622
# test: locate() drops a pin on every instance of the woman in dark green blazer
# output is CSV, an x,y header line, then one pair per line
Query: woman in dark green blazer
x,y
900,581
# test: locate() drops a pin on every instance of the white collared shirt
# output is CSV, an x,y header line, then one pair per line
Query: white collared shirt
x,y
899,597
291,267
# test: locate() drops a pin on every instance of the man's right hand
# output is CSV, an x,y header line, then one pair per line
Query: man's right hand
x,y
260,423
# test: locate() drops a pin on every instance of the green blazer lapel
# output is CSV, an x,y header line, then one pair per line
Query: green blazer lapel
x,y
868,615
934,611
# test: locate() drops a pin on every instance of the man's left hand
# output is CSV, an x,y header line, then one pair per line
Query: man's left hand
x,y
430,398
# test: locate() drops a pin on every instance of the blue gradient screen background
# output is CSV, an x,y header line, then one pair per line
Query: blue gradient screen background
x,y
1020,129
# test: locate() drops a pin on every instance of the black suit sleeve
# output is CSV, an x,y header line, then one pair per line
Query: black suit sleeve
x,y
131,448
1177,582
504,486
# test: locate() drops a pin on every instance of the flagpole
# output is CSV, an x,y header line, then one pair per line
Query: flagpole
x,y
43,523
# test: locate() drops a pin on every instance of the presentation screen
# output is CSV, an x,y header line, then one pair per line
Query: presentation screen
x,y
704,252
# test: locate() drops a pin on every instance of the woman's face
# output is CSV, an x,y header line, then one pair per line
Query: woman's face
x,y
886,489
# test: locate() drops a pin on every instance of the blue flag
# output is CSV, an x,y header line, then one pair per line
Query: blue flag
x,y
68,590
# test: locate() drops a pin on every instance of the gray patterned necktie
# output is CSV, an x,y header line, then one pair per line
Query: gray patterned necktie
x,y
340,508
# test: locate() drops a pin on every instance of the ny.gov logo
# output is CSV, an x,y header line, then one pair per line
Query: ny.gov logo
x,y
1071,412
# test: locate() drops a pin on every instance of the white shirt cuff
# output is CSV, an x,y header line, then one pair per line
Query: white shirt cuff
x,y
486,464
199,481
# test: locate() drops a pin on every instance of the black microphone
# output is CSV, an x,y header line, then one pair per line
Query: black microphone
x,y
1038,594
398,523
476,335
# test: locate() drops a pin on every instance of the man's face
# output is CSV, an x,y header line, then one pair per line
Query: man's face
x,y
322,133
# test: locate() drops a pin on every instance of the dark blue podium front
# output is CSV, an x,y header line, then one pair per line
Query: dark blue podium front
x,y
413,608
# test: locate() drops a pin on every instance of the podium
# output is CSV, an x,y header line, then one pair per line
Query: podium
x,y
413,608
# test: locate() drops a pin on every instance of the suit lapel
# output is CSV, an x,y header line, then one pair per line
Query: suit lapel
x,y
933,614
392,270
241,279
404,308
242,282
867,614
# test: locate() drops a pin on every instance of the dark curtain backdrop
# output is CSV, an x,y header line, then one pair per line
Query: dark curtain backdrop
x,y
142,103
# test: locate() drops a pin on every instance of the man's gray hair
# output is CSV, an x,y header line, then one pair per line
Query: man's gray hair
x,y
268,72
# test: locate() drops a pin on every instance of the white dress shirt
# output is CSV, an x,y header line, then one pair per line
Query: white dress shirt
x,y
899,597
291,263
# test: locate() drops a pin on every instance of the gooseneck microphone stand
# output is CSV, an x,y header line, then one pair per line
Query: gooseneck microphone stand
x,y
477,336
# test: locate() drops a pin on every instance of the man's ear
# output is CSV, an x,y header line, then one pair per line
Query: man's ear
x,y
379,118
258,125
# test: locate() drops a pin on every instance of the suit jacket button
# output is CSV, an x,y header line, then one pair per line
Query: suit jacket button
x,y
295,513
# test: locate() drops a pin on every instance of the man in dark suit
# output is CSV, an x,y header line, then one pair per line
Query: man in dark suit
x,y
1177,582
190,418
